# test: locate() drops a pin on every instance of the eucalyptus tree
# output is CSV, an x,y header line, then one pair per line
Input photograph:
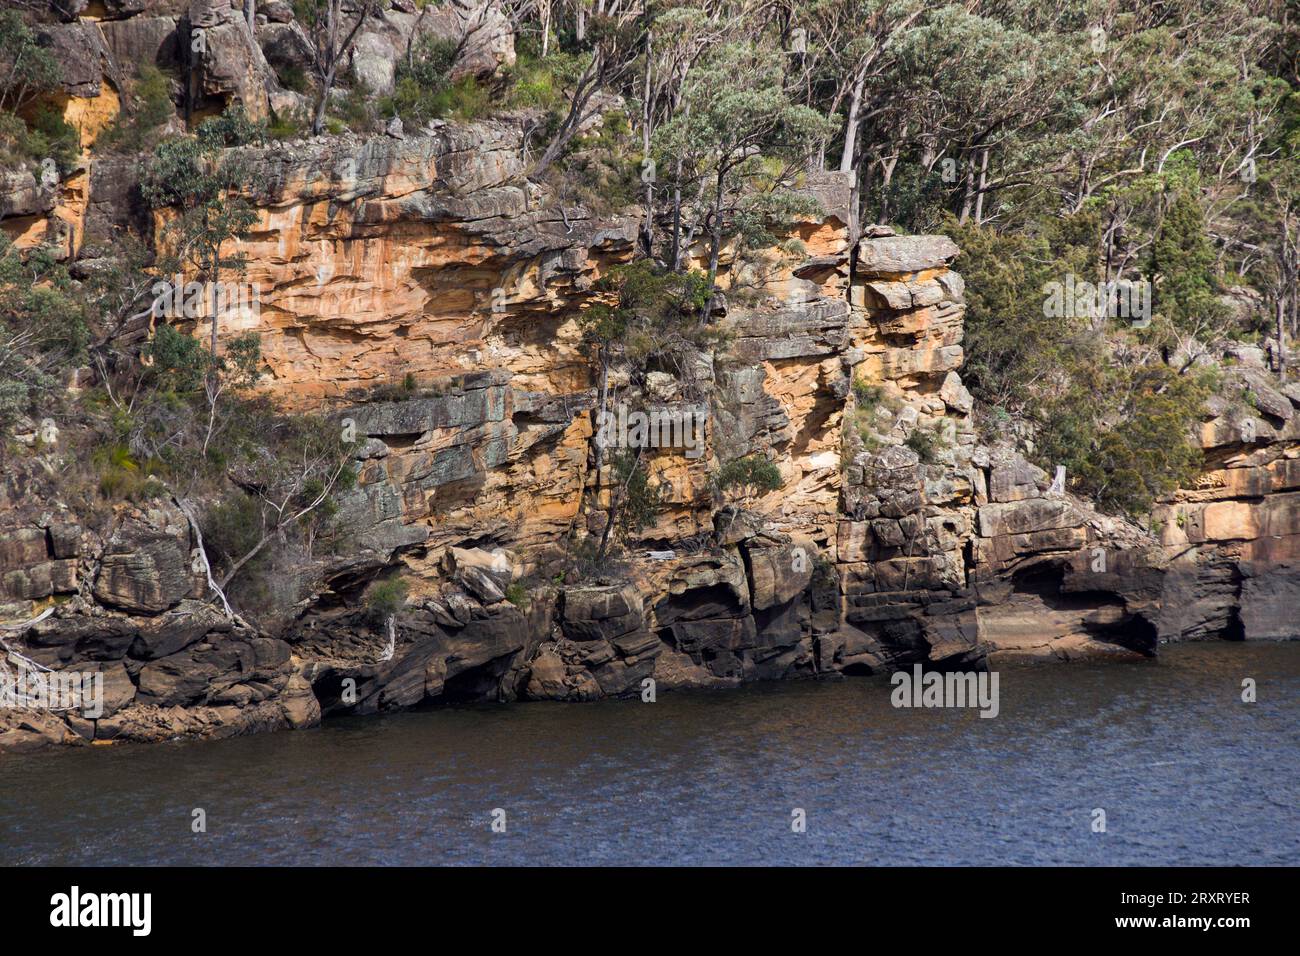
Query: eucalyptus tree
x,y
741,146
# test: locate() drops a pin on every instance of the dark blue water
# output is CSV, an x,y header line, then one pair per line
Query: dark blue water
x,y
1186,773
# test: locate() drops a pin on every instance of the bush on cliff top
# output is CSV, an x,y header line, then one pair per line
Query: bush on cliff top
x,y
1121,424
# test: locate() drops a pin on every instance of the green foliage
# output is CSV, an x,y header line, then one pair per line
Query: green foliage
x,y
135,130
51,136
232,528
355,110
121,478
290,471
180,363
925,443
193,172
231,129
658,316
1123,431
43,331
426,70
1131,441
601,170
288,126
867,395
27,69
1183,262
745,479
48,136
423,89
386,598
870,400
741,136
534,81
518,595
642,498
207,181
1015,352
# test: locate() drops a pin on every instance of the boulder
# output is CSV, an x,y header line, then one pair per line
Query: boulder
x,y
777,575
81,54
955,395
1023,517
21,194
231,65
897,255
546,677
1015,480
196,674
145,567
374,61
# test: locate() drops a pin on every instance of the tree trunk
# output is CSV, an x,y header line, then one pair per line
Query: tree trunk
x,y
646,113
186,510
1280,312
677,221
715,245
318,120
851,125
968,193
979,192
604,400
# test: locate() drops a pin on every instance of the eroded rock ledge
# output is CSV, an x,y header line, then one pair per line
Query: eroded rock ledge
x,y
432,258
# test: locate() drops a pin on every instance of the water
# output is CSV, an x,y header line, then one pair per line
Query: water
x,y
1186,772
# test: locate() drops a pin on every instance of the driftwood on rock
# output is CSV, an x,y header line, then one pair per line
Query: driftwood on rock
x,y
207,565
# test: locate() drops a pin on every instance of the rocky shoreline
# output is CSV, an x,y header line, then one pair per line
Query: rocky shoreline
x,y
433,260
970,560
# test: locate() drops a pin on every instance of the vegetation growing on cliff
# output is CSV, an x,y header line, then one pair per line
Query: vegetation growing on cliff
x,y
1162,151
742,481
42,332
31,130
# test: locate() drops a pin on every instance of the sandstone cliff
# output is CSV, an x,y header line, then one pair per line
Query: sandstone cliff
x,y
429,261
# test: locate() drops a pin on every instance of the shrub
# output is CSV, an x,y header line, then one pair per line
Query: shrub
x,y
287,126
232,528
121,478
747,478
51,136
1127,452
136,130
179,361
517,595
868,395
658,315
355,109
386,598
422,90
925,443
43,330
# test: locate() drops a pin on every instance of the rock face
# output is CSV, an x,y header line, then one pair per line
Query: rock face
x,y
123,596
422,293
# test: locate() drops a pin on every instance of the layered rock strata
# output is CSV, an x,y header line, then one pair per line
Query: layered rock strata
x,y
425,295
